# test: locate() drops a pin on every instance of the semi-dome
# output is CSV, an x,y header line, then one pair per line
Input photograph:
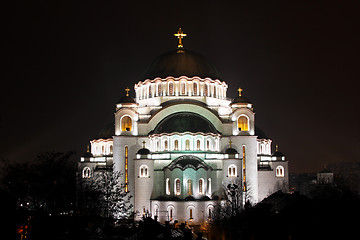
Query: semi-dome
x,y
184,122
181,63
188,161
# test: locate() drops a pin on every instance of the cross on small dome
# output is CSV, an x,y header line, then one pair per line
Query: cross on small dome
x,y
127,91
180,34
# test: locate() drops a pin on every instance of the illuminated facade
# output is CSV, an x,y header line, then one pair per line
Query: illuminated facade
x,y
181,143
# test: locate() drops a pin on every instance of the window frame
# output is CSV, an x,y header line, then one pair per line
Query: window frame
x,y
232,170
247,123
125,127
280,171
143,171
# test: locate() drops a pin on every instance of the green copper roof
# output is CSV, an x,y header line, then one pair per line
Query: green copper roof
x,y
184,122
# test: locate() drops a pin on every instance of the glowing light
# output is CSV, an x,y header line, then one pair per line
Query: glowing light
x,y
127,91
243,123
126,169
180,34
126,123
244,169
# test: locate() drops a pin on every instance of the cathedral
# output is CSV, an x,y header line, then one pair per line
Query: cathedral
x,y
183,146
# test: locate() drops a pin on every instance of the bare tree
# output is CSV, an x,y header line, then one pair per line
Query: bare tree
x,y
104,195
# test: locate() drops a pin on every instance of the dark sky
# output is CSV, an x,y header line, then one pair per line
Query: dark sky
x,y
67,63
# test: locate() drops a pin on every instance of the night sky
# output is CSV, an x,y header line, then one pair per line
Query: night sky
x,y
67,63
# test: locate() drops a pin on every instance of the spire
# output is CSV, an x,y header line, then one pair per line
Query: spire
x,y
143,144
88,148
277,148
230,143
240,90
180,34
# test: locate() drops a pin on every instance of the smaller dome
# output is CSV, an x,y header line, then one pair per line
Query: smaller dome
x,y
88,154
231,151
240,99
143,151
126,99
277,154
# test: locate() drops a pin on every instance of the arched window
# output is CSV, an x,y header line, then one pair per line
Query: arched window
x,y
176,145
262,148
191,214
232,172
150,91
189,187
86,172
157,145
210,210
126,167
214,90
195,86
144,171
183,88
244,168
167,186
208,145
103,149
144,91
171,89
159,89
126,123
156,210
171,214
165,145
198,145
111,149
187,145
206,90
177,187
243,123
280,171
201,186
209,186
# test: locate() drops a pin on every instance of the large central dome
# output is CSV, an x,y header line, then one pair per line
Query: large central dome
x,y
181,63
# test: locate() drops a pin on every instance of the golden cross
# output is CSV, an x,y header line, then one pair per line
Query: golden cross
x,y
277,148
143,144
88,148
230,143
180,34
127,91
240,90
